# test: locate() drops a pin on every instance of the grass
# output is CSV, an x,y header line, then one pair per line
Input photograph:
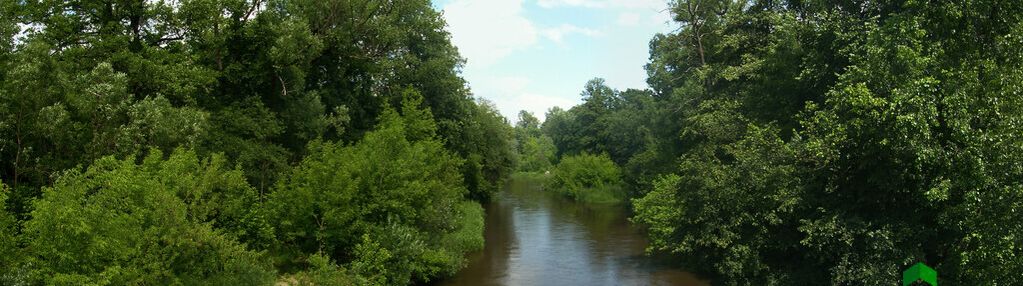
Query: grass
x,y
603,195
530,176
468,236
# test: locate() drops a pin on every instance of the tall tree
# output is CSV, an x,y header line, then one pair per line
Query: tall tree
x,y
386,207
808,177
535,150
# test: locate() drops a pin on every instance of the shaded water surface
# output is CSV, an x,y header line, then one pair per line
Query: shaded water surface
x,y
537,238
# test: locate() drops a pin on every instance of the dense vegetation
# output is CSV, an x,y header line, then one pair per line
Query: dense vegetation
x,y
396,196
232,142
122,223
823,142
334,142
587,178
535,149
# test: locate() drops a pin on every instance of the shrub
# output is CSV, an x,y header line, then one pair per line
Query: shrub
x,y
389,208
321,272
122,223
537,154
10,254
587,178
468,232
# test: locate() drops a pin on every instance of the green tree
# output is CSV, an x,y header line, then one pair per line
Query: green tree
x,y
528,123
537,154
57,120
587,178
385,207
527,126
535,150
491,157
583,128
561,126
122,223
10,250
248,84
789,175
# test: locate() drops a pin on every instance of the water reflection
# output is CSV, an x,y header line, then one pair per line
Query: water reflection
x,y
535,238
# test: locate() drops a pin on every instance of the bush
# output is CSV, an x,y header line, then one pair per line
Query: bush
x,y
468,234
389,208
321,272
537,154
533,177
587,178
122,223
10,254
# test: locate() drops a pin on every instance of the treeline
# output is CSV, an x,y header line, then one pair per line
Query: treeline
x,y
231,142
569,151
821,142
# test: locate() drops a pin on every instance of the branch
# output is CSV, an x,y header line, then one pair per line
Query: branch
x,y
284,86
255,4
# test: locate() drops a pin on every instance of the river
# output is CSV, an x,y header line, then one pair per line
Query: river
x,y
537,238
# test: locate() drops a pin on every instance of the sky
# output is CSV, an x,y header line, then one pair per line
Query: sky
x,y
536,54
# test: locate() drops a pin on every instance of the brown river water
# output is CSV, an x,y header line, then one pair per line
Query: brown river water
x,y
537,238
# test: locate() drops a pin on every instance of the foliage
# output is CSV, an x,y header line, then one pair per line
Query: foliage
x,y
321,272
789,175
56,120
491,157
587,178
535,150
780,142
609,121
537,154
794,142
468,232
390,207
584,127
10,252
268,78
122,223
248,84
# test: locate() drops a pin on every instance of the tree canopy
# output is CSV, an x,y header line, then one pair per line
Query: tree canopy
x,y
180,134
335,142
808,142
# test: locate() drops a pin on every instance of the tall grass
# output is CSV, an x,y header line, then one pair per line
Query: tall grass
x,y
468,235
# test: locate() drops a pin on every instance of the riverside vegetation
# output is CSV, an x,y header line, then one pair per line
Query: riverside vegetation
x,y
230,142
820,142
334,142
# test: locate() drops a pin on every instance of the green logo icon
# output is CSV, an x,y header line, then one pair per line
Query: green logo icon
x,y
920,272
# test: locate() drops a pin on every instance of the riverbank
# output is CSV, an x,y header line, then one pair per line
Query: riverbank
x,y
604,195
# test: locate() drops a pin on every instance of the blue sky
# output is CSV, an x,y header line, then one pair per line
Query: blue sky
x,y
536,54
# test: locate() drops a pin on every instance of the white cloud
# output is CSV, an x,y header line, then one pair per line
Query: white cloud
x,y
631,4
662,17
638,4
629,19
514,93
633,12
487,31
514,84
538,104
508,66
571,3
557,34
